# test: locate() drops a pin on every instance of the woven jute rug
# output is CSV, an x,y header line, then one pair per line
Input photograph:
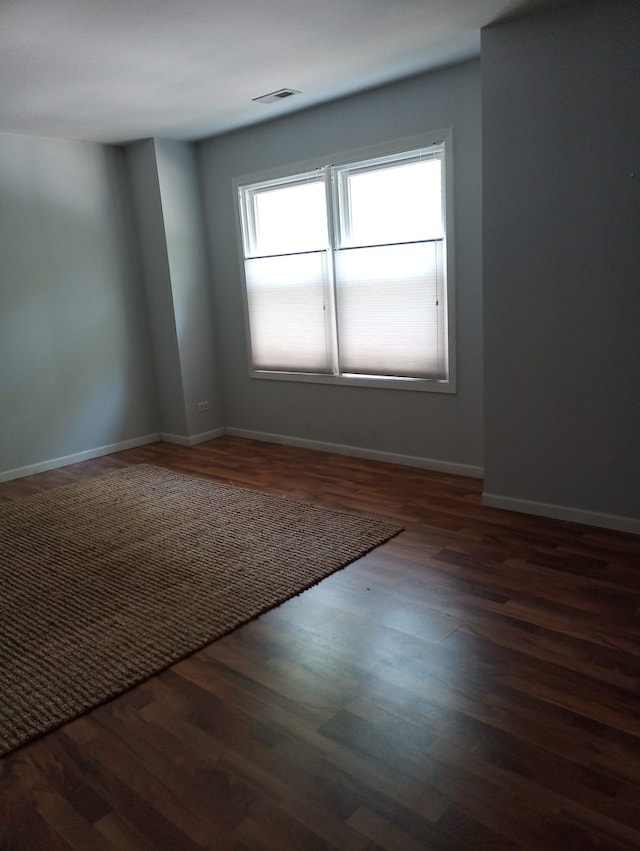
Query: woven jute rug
x,y
106,582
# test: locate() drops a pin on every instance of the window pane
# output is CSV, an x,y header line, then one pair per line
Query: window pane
x,y
391,311
286,299
290,218
399,202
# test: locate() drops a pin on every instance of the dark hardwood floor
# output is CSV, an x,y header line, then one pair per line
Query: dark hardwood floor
x,y
472,684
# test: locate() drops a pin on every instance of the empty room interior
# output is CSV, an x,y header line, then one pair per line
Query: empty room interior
x,y
404,434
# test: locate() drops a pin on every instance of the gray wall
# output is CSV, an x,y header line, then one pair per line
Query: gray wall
x,y
561,148
190,285
168,213
149,223
422,425
75,372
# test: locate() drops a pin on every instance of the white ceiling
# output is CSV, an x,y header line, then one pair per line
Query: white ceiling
x,y
117,70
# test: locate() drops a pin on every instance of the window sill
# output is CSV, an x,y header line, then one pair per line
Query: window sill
x,y
428,385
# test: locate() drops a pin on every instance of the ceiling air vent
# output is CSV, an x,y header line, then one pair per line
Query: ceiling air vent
x,y
273,97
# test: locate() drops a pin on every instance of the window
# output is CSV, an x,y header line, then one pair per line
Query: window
x,y
346,272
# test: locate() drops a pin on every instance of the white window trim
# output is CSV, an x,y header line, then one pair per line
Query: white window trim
x,y
397,146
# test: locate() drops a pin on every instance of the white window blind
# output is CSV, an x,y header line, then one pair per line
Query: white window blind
x,y
345,269
389,316
286,297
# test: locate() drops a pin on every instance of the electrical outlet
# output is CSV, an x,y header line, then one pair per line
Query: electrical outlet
x,y
203,406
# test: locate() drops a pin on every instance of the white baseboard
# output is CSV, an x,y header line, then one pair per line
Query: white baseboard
x,y
191,440
360,452
557,512
563,512
87,455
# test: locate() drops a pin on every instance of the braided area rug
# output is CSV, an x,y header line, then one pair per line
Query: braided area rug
x,y
106,582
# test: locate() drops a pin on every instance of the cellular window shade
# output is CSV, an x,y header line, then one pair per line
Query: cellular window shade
x,y
286,297
390,310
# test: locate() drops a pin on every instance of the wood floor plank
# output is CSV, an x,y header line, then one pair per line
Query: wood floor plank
x,y
472,684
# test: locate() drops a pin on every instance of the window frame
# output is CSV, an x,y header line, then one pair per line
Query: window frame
x,y
356,157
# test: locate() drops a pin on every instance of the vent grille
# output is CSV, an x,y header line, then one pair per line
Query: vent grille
x,y
274,97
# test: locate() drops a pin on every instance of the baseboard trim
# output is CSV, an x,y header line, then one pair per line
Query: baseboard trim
x,y
563,512
360,452
87,455
557,512
191,440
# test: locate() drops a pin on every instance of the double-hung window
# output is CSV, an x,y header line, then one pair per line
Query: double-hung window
x,y
345,270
